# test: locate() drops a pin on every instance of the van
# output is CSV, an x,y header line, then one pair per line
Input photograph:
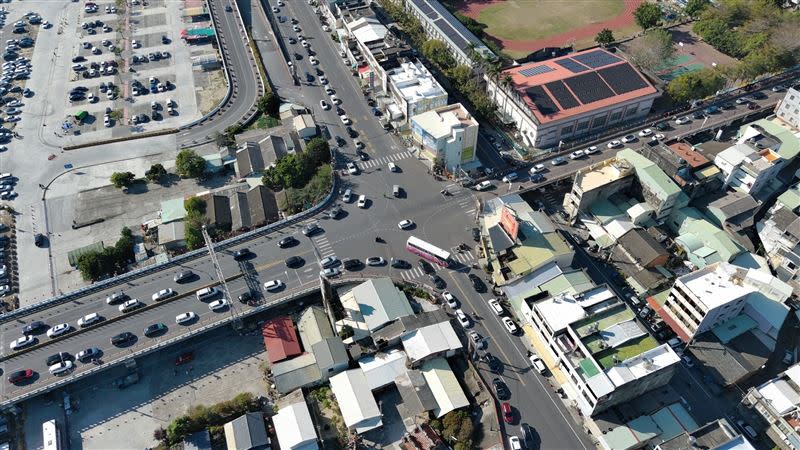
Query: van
x,y
5,176
675,343
396,190
392,167
205,293
348,194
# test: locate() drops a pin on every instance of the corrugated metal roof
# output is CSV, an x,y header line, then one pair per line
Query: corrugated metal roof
x,y
280,339
356,401
444,386
294,427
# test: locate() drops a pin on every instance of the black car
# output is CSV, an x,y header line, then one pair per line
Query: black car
x,y
500,389
89,354
527,434
35,327
228,8
122,338
183,276
758,95
662,126
288,241
352,264
155,329
476,234
340,141
477,283
699,115
400,264
78,59
294,262
494,363
438,282
362,155
245,297
58,357
351,132
426,267
239,255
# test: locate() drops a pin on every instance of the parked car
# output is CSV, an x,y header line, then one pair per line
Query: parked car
x,y
155,329
273,285
88,354
463,319
163,294
184,318
537,363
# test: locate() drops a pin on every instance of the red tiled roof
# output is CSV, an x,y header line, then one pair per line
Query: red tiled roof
x,y
688,154
557,72
280,339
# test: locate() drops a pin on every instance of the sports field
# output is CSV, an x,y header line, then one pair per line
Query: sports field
x,y
524,26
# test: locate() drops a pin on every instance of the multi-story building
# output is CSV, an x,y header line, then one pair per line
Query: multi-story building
x,y
448,134
778,402
657,189
716,435
789,109
570,96
597,182
415,90
438,23
607,356
748,168
779,232
520,240
695,174
373,50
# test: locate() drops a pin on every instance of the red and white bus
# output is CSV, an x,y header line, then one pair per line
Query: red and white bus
x,y
428,251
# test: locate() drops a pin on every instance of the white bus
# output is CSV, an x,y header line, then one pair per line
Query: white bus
x,y
51,436
428,251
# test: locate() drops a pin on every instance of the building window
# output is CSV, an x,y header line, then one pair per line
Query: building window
x,y
582,125
631,111
614,116
566,130
598,122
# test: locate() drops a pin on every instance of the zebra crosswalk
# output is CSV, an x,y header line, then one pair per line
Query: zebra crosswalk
x,y
383,160
416,272
324,247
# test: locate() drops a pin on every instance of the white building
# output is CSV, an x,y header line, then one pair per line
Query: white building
x,y
439,339
294,426
778,402
715,294
371,305
570,96
449,133
607,356
444,386
789,109
359,409
748,168
415,90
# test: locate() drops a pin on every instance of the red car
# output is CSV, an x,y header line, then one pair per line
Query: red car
x,y
19,376
508,415
184,358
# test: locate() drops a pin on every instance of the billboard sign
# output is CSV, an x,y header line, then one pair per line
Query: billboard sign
x,y
508,220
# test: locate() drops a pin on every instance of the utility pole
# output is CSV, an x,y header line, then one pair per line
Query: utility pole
x,y
236,321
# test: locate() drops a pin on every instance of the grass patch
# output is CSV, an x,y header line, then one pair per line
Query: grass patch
x,y
625,351
116,114
511,20
264,122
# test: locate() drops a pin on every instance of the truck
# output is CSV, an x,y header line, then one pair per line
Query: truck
x,y
126,380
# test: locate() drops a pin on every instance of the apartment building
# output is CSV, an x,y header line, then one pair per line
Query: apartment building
x,y
789,108
415,90
777,402
448,134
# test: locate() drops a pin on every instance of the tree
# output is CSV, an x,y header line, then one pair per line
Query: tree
x,y
122,179
653,50
318,151
193,229
155,173
194,204
695,85
189,164
604,37
346,332
268,104
437,52
647,15
160,434
179,429
693,8
472,25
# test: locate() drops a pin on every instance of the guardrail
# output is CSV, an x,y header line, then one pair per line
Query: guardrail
x,y
133,352
105,284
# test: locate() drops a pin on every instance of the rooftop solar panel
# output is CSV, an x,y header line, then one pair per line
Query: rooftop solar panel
x,y
422,5
543,103
535,70
455,25
622,78
571,65
589,87
562,95
451,33
596,59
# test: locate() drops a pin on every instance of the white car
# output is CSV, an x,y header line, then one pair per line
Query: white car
x,y
217,305
359,145
304,43
273,285
577,154
323,81
684,119
296,29
130,305
107,121
324,105
510,177
514,443
329,90
509,324
659,137
404,224
451,301
328,262
313,61
345,119
352,168
22,342
375,261
537,363
330,272
362,201
646,132
89,319
538,168
180,319
162,294
334,99
58,330
134,44
591,150
61,368
614,144
629,138
495,305
463,319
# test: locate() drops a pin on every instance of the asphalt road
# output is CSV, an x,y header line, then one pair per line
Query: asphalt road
x,y
240,66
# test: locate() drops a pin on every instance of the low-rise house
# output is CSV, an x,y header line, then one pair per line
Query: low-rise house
x,y
371,305
293,424
356,402
247,432
254,208
777,402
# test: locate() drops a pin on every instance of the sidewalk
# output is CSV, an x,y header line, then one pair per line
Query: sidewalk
x,y
491,435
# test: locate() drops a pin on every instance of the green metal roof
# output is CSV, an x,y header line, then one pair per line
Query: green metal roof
x,y
658,181
73,255
605,211
536,250
791,198
172,210
790,145
588,367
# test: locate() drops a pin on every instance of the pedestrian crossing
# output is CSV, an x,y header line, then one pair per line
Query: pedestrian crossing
x,y
383,160
465,258
323,246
